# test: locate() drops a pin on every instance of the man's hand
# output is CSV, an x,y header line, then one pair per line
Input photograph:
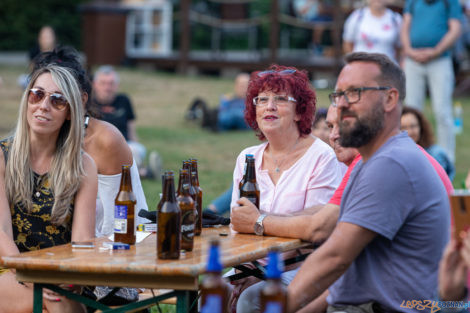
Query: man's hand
x,y
452,274
244,217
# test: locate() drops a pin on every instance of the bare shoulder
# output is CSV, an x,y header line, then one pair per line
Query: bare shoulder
x,y
108,148
88,163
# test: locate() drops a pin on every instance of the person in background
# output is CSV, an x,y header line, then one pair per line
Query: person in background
x,y
320,128
48,184
294,169
430,29
374,28
116,109
47,41
231,108
317,12
419,129
229,115
108,148
391,231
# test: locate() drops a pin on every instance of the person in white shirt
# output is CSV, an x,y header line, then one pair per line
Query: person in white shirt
x,y
374,28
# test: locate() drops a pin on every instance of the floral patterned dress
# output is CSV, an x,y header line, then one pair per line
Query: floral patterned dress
x,y
33,230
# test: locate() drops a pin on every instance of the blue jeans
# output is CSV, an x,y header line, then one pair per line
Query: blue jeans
x,y
439,74
232,118
222,202
249,300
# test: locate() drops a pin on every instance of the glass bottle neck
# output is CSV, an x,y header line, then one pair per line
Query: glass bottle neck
x,y
169,190
126,183
250,171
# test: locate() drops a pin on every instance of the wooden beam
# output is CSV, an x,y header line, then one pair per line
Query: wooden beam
x,y
274,31
185,39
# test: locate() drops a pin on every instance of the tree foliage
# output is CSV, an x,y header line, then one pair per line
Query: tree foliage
x,y
20,21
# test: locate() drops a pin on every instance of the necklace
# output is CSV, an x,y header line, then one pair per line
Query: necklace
x,y
279,164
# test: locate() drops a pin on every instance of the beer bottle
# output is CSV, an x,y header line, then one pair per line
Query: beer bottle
x,y
160,202
274,294
195,179
169,222
187,165
124,209
214,293
250,189
194,194
188,216
247,156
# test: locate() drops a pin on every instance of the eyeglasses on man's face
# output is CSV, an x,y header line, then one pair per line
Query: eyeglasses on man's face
x,y
57,100
352,95
278,100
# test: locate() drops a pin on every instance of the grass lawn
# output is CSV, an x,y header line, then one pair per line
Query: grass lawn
x,y
160,100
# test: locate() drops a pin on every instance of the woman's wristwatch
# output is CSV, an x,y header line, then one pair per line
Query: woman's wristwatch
x,y
259,228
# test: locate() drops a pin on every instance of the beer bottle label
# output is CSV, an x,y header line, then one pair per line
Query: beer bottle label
x,y
273,307
213,304
252,200
187,226
120,219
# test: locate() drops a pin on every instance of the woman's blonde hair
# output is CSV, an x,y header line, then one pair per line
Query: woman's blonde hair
x,y
66,170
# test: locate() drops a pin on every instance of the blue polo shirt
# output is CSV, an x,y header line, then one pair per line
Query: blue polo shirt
x,y
429,22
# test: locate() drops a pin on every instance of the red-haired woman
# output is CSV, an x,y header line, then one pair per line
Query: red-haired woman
x,y
294,169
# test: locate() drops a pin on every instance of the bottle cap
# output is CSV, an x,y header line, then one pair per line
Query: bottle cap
x,y
275,266
213,263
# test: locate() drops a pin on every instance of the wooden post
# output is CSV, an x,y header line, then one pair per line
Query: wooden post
x,y
185,39
274,31
338,20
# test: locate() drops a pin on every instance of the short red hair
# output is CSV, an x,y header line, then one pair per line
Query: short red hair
x,y
295,84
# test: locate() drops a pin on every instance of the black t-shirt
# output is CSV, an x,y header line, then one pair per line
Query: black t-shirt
x,y
118,113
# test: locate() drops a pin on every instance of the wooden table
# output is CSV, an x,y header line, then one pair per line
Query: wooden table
x,y
139,266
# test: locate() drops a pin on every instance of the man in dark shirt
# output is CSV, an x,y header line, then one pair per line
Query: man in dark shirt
x,y
117,109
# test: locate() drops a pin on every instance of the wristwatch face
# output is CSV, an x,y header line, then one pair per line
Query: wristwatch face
x,y
259,229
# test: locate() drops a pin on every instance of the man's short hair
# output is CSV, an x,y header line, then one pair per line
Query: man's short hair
x,y
391,74
106,69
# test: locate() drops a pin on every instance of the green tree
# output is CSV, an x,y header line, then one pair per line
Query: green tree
x,y
20,21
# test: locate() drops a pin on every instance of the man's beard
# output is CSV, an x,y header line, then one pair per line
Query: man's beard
x,y
363,130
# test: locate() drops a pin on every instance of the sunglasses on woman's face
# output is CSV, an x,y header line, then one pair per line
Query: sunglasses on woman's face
x,y
57,100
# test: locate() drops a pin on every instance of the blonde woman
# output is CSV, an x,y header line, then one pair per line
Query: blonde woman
x,y
48,185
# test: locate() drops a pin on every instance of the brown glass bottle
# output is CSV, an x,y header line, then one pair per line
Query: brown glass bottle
x,y
250,189
188,214
214,293
242,181
124,209
187,165
273,296
169,222
195,181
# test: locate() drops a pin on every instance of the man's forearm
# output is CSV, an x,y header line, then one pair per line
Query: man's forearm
x,y
314,228
324,266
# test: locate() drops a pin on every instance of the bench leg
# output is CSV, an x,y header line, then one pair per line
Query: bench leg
x,y
37,298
